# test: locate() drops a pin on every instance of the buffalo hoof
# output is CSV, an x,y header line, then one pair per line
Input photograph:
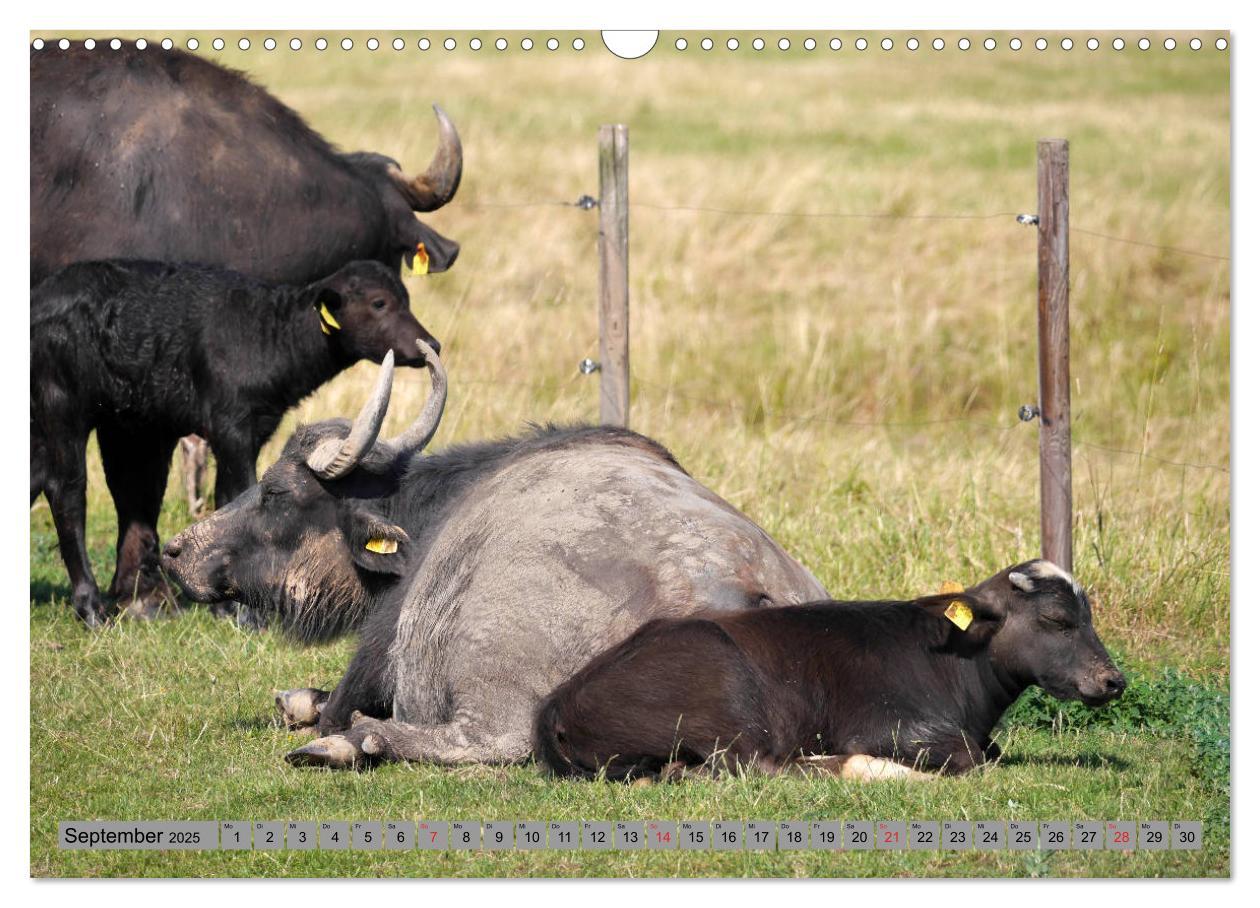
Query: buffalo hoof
x,y
332,751
301,708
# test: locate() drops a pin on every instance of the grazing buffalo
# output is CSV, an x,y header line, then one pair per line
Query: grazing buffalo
x,y
159,154
869,689
144,352
479,577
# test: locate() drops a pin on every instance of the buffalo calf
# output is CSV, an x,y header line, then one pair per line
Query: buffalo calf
x,y
145,352
871,687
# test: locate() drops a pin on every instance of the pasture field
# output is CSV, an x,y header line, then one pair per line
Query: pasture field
x,y
850,382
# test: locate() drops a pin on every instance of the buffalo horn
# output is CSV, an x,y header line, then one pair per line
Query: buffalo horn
x,y
334,457
421,432
436,186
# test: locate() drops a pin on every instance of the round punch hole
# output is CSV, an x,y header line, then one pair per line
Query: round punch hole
x,y
784,44
886,43
243,44
321,43
398,44
1041,44
115,44
500,44
141,44
1195,44
270,44
860,44
835,44
759,44
810,43
449,44
167,44
1221,44
1066,44
65,45
527,43
964,44
732,44
938,44
296,44
217,44
552,44
347,44
578,43
912,43
90,43
193,43
475,43
680,44
989,44
1118,44
1170,44
1016,44
38,44
706,44
1092,44
1144,44
373,44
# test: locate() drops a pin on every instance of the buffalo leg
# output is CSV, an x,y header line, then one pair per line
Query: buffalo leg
x,y
136,469
465,739
194,454
363,689
235,472
65,484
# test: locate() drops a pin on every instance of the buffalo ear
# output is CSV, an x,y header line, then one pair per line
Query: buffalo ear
x,y
375,544
967,614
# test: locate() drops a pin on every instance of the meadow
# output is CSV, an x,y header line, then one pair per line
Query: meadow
x,y
851,382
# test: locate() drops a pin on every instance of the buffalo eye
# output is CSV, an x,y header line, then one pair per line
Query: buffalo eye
x,y
378,304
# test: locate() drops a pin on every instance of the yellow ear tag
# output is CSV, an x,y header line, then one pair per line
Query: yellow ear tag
x,y
959,612
951,586
326,319
382,546
419,262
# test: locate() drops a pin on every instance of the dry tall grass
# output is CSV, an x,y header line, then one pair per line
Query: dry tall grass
x,y
802,366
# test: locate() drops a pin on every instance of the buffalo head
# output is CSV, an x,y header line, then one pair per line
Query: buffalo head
x,y
412,243
1039,627
316,540
364,310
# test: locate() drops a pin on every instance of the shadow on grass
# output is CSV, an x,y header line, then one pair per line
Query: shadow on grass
x,y
1085,761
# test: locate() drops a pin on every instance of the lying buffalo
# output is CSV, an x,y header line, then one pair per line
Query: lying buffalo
x,y
159,154
479,578
876,687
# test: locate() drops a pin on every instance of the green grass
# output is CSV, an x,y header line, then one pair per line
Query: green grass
x,y
851,384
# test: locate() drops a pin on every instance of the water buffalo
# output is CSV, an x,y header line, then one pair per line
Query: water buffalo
x,y
479,577
159,154
142,352
162,155
868,689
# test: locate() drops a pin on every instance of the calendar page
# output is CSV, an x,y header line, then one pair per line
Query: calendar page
x,y
699,453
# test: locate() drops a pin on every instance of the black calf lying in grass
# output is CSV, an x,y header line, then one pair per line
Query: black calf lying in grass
x,y
867,689
145,353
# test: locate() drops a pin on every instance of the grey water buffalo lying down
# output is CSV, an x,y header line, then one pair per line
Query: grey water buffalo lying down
x,y
868,689
479,578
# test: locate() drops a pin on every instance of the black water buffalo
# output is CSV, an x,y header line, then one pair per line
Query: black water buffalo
x,y
479,577
159,154
869,689
144,352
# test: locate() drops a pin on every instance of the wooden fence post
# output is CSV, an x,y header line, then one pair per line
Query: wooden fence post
x,y
1053,352
614,275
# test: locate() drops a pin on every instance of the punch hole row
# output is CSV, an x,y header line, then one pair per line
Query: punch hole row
x,y
680,44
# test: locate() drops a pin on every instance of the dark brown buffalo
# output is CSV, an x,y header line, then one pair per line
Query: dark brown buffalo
x,y
159,154
866,688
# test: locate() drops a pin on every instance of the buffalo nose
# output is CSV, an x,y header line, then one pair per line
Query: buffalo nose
x,y
172,549
1114,684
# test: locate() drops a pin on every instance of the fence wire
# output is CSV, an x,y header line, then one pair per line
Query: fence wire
x,y
586,202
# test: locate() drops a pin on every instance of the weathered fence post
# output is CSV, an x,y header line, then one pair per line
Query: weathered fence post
x,y
614,275
1053,359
